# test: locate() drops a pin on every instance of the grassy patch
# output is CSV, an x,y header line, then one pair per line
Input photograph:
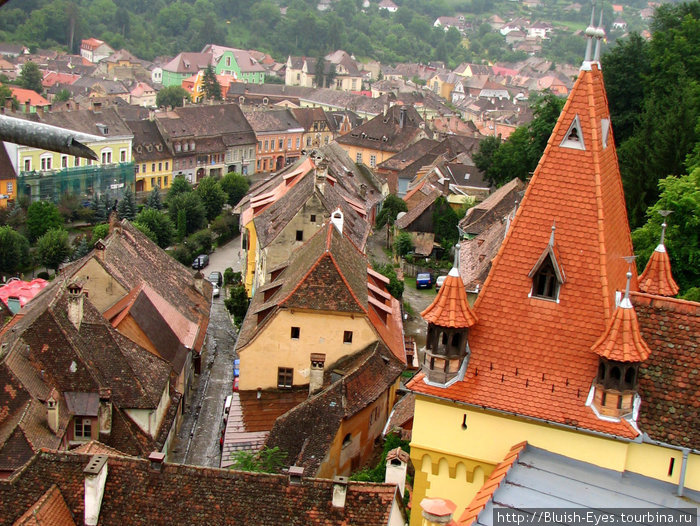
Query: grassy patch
x,y
411,283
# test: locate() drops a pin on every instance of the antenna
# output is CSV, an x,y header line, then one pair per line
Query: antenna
x,y
551,237
454,271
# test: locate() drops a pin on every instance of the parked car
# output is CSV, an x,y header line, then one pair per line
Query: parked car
x,y
227,406
439,282
200,262
215,291
424,280
216,278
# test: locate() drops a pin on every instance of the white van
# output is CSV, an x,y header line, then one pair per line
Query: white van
x,y
227,406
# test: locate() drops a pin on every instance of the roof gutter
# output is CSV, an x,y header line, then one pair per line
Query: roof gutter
x,y
637,440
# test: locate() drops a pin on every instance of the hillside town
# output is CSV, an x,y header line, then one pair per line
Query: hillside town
x,y
244,290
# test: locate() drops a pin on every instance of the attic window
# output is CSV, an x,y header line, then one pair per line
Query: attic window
x,y
149,148
103,128
159,147
545,283
139,149
574,136
605,128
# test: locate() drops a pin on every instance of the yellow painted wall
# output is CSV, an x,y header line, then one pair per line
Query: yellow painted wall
x,y
103,290
35,155
150,174
438,451
319,332
352,152
250,258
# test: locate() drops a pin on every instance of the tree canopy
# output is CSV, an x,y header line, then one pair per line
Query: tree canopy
x,y
30,77
212,88
172,96
42,216
236,186
212,196
53,248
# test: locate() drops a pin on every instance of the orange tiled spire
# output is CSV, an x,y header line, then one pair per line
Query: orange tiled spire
x,y
622,341
657,277
450,307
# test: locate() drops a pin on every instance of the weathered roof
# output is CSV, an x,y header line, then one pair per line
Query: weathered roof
x,y
401,160
669,380
49,510
307,432
214,496
147,144
103,123
225,122
492,209
427,200
273,121
385,132
189,62
579,188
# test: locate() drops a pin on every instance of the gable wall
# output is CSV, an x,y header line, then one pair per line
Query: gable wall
x,y
103,290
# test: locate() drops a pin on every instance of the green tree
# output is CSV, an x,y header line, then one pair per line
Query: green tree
x,y
267,460
100,231
154,201
126,209
237,302
403,243
212,88
189,204
236,186
445,223
30,77
53,248
14,250
5,94
179,186
210,192
42,216
158,223
391,207
82,249
62,96
172,96
681,195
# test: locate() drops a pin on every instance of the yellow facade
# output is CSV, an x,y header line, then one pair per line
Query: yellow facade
x,y
8,187
151,174
319,332
108,152
367,156
452,461
250,251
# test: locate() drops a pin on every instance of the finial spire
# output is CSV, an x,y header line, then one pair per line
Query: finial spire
x,y
551,237
599,35
664,214
590,33
626,303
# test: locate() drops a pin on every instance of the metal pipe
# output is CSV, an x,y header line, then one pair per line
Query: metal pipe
x,y
45,137
684,465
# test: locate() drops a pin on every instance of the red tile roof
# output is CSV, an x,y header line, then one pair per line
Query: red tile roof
x,y
657,277
622,340
24,95
450,307
530,356
491,484
49,510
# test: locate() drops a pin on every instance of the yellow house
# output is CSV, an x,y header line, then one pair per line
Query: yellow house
x,y
554,353
44,174
8,179
442,84
325,305
153,162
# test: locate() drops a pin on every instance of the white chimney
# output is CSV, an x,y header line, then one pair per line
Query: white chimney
x,y
337,219
340,491
104,414
95,478
75,304
396,467
52,414
316,374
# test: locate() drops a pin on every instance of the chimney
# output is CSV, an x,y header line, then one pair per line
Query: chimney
x,y
199,282
27,106
337,219
402,117
340,491
318,361
396,467
104,414
321,176
114,224
156,458
95,478
295,474
437,512
75,304
52,414
363,190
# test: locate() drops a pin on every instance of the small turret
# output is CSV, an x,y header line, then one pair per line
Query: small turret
x,y
657,277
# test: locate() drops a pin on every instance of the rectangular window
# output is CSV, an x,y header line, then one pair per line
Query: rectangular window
x,y
153,182
373,161
313,218
284,377
260,146
280,144
266,144
347,337
153,167
308,140
160,167
358,157
159,181
165,181
76,161
64,161
10,187
166,166
295,333
122,156
289,143
27,165
107,157
300,235
136,169
298,142
143,168
83,428
46,163
325,140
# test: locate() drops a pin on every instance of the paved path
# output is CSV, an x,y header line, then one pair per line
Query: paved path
x,y
197,442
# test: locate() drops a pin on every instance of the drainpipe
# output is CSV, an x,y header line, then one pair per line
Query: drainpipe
x,y
684,465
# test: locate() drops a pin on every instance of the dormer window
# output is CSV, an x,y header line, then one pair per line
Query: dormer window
x,y
178,147
574,136
545,283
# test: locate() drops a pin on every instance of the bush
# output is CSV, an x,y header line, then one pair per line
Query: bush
x,y
231,277
225,227
100,231
395,286
403,243
43,275
237,303
376,474
200,242
158,223
183,254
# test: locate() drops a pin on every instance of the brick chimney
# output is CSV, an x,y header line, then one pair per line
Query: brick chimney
x,y
75,304
95,478
295,474
318,361
156,458
52,413
340,491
